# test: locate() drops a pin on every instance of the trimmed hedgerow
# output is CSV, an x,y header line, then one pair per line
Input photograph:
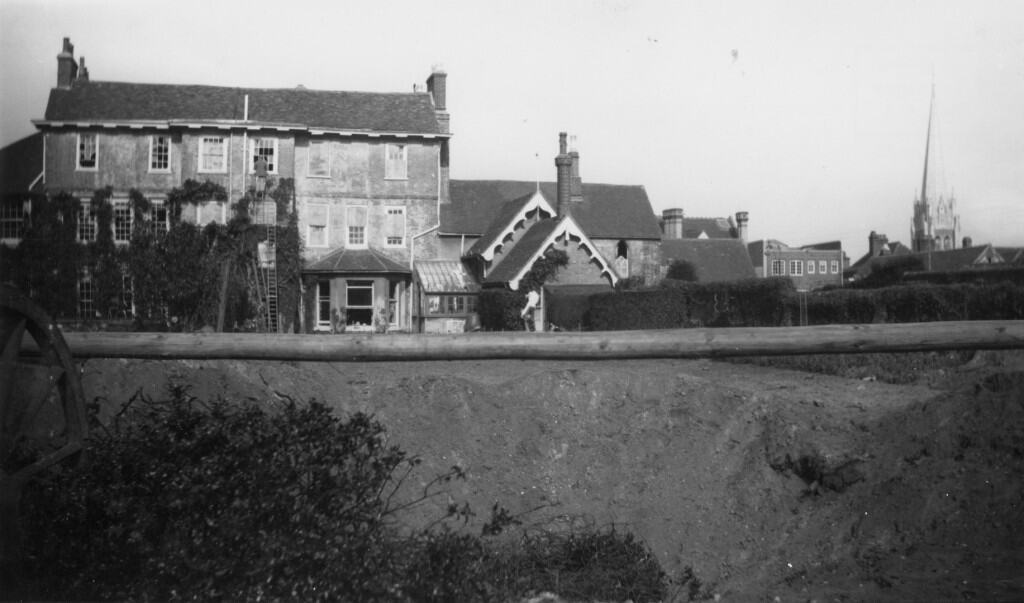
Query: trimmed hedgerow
x,y
183,500
754,302
919,302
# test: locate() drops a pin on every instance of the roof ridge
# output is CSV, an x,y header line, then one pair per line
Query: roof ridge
x,y
246,88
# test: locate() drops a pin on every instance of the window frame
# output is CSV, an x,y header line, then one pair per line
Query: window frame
x,y
451,304
781,268
254,146
124,207
399,210
796,267
822,267
834,264
225,144
86,220
323,227
95,152
811,267
326,145
323,295
12,221
85,293
361,284
153,154
390,166
350,241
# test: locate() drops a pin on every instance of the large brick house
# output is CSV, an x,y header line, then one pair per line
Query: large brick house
x,y
370,170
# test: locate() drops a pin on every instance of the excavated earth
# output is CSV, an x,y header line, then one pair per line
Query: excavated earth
x,y
766,482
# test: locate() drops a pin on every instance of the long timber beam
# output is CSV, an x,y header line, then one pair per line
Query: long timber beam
x,y
670,343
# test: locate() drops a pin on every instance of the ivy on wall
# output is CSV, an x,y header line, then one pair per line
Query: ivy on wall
x,y
185,277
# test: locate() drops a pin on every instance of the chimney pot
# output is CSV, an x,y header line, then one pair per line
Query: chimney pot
x,y
672,223
67,68
742,218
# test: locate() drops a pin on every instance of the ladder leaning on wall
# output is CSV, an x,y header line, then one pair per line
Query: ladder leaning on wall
x,y
267,270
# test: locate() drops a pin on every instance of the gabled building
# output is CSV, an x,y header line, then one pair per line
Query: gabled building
x,y
370,170
500,228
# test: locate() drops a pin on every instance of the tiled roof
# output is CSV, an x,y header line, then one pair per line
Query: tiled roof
x,y
21,162
826,246
505,215
608,211
946,260
437,276
713,259
365,261
371,111
714,228
513,263
1012,255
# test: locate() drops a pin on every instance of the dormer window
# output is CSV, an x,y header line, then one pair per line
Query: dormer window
x,y
87,151
395,162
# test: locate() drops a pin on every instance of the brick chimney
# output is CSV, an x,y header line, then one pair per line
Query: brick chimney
x,y
672,223
563,163
83,73
437,85
968,242
877,243
575,182
67,68
742,218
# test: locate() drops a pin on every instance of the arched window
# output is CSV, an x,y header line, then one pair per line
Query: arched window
x,y
622,250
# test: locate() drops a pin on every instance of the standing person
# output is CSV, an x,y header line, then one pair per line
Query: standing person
x,y
532,299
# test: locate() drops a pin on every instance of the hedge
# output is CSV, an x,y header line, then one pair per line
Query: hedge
x,y
915,303
752,302
774,302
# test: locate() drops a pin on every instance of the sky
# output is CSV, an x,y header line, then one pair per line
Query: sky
x,y
809,115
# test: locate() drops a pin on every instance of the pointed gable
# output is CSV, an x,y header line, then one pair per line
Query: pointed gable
x,y
512,268
510,218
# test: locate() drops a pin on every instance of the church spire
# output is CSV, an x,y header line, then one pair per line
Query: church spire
x,y
927,148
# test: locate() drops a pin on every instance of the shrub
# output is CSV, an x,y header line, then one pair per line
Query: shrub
x,y
499,310
681,270
182,500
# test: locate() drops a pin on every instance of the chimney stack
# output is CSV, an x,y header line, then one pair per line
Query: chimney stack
x,y
877,243
437,85
742,218
563,164
83,73
968,242
67,68
672,223
575,182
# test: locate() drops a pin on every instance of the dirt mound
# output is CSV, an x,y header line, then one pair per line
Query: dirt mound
x,y
766,482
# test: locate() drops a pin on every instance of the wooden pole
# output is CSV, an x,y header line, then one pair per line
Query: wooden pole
x,y
674,343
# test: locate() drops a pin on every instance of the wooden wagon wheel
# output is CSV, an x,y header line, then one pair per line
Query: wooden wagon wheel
x,y
42,407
